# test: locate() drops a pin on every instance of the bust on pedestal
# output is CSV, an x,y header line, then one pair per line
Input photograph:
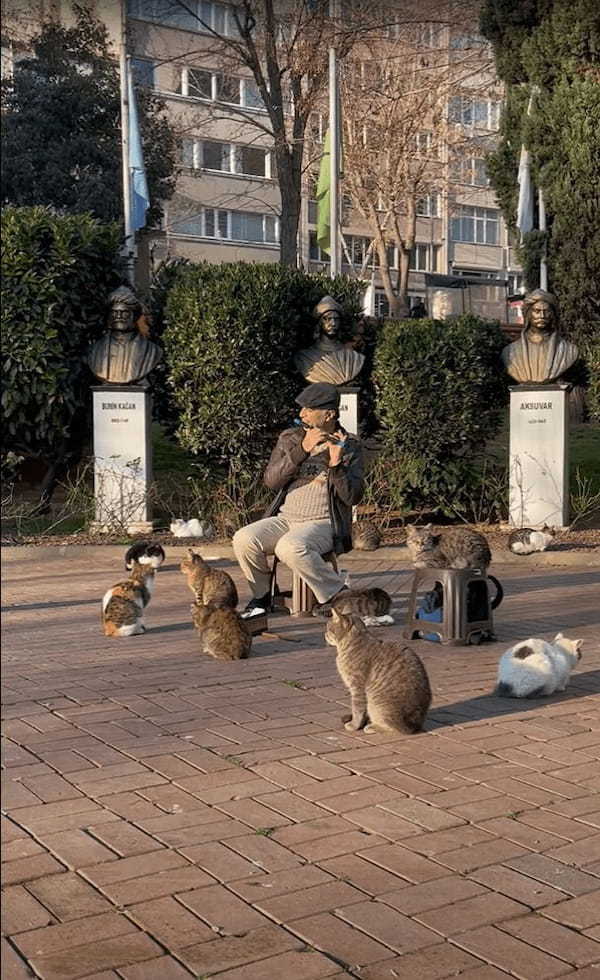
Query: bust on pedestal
x,y
539,416
122,358
332,361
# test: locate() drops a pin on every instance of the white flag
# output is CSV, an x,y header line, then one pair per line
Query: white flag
x,y
525,205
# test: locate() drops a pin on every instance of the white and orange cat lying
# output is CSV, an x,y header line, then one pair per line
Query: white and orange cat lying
x,y
534,668
123,605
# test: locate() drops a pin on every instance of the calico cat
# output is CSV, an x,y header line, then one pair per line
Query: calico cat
x,y
146,553
534,668
209,585
365,536
387,681
455,547
527,540
223,634
123,605
363,602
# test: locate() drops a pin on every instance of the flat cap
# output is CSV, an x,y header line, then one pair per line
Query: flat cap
x,y
319,395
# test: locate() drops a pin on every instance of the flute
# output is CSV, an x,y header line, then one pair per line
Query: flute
x,y
326,436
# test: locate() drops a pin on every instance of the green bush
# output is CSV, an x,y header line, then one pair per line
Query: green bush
x,y
441,390
231,333
57,273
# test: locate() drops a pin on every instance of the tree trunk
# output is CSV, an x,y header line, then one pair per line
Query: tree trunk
x,y
403,272
289,176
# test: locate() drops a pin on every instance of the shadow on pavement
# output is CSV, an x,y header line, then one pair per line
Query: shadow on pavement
x,y
489,706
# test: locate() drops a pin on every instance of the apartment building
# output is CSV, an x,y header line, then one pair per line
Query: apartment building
x,y
226,203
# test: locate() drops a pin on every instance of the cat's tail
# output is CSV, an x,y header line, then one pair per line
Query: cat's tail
x,y
499,592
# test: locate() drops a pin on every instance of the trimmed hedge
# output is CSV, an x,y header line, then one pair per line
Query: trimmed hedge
x,y
231,333
441,389
57,273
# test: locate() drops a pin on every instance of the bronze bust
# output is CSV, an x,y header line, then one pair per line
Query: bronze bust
x,y
328,359
540,355
122,355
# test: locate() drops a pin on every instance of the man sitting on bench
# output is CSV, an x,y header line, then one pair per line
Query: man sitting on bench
x,y
317,470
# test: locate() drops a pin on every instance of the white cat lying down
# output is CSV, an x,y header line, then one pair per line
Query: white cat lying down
x,y
534,668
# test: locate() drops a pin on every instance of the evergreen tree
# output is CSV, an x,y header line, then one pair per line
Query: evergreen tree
x,y
61,126
555,46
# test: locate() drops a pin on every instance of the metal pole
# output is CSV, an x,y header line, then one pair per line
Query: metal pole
x,y
129,243
334,147
542,222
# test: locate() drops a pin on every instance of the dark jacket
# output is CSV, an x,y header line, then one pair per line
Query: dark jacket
x,y
345,481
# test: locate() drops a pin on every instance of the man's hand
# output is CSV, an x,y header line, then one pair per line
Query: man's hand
x,y
336,449
312,438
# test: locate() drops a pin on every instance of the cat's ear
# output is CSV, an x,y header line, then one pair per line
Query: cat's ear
x,y
335,614
557,638
577,645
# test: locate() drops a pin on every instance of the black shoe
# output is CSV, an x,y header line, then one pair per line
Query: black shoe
x,y
257,607
324,608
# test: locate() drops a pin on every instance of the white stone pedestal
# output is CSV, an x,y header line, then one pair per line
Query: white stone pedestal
x,y
539,455
122,457
349,416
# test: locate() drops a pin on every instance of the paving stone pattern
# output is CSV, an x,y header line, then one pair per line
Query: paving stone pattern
x,y
166,816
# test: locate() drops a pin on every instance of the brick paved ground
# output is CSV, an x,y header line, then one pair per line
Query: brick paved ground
x,y
168,816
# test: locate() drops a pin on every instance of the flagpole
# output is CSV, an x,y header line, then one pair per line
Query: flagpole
x,y
334,145
128,244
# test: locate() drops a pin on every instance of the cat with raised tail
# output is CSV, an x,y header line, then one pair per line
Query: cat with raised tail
x,y
224,635
527,540
209,585
534,668
123,605
387,681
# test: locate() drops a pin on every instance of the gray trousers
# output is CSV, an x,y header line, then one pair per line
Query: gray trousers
x,y
299,546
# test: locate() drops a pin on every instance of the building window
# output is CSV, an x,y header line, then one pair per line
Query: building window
x,y
470,170
417,35
314,251
142,72
478,113
228,158
426,145
317,127
199,83
382,306
466,41
475,225
202,16
237,226
429,206
420,258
